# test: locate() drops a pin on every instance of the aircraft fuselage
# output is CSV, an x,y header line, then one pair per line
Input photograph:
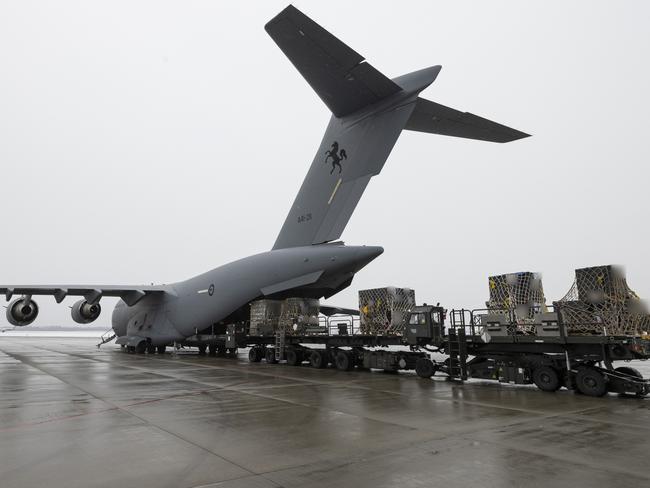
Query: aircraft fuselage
x,y
190,306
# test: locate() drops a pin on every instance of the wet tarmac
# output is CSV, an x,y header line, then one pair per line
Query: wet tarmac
x,y
75,416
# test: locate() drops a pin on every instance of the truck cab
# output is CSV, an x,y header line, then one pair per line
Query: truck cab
x,y
425,325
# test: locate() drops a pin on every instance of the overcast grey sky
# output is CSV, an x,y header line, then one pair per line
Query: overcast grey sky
x,y
151,141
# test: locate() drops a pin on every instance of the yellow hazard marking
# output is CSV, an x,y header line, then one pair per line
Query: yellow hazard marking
x,y
338,183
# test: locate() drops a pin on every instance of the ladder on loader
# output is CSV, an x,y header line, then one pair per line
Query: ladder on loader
x,y
457,347
280,343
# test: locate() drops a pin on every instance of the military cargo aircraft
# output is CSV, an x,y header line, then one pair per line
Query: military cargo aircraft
x,y
369,111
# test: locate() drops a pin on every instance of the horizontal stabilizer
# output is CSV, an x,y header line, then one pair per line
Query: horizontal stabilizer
x,y
338,74
434,118
330,311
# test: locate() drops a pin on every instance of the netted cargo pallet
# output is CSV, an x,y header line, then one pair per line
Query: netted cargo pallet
x,y
521,294
601,302
384,311
264,317
297,314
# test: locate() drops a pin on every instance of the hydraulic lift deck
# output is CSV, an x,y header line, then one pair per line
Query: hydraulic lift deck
x,y
476,344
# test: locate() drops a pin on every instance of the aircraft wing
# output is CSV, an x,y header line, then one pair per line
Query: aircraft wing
x,y
434,118
92,293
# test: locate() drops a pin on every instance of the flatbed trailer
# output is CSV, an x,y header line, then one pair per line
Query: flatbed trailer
x,y
476,344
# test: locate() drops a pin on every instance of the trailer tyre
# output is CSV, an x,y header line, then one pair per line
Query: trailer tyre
x,y
270,355
425,368
255,354
294,357
318,359
343,361
546,378
591,382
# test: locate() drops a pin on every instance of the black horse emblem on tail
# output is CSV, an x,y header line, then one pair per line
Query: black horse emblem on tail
x,y
336,156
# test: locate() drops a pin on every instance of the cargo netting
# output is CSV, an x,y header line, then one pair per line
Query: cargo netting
x,y
520,295
298,313
264,316
385,311
601,302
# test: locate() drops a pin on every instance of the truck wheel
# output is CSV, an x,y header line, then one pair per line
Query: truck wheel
x,y
231,352
591,382
318,359
343,361
270,355
546,378
255,354
425,368
202,349
212,349
294,358
161,349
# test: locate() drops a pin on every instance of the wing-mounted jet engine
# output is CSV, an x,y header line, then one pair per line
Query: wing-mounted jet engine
x,y
84,312
22,311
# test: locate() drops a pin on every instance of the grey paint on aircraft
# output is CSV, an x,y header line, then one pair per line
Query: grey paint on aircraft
x,y
369,113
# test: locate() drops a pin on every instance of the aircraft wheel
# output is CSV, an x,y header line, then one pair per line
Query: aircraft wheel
x,y
318,359
591,382
546,378
212,349
151,349
130,349
270,355
202,349
161,349
343,361
425,368
294,357
255,354
141,347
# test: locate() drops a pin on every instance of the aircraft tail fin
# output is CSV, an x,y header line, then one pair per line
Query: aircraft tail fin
x,y
337,73
369,112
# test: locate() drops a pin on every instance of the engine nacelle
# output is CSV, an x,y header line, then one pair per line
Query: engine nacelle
x,y
22,311
84,312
